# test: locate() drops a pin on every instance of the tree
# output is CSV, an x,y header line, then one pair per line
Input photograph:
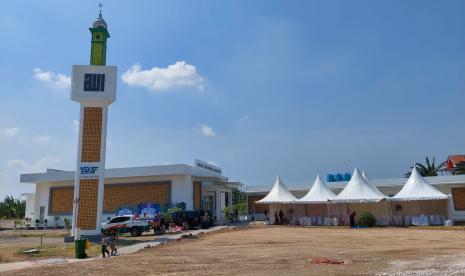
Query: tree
x,y
429,169
238,194
12,208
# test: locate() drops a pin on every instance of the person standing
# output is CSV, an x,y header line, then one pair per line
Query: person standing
x,y
281,216
352,219
113,239
276,218
104,244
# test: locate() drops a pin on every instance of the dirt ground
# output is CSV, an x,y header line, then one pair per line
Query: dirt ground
x,y
276,250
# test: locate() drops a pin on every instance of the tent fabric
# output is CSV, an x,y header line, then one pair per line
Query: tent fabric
x,y
368,179
359,190
319,193
278,194
365,176
417,188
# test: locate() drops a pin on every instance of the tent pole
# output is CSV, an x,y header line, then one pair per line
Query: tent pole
x,y
327,209
293,214
385,208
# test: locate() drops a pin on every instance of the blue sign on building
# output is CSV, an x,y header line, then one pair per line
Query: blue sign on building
x,y
335,177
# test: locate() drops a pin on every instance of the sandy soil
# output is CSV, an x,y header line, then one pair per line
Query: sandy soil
x,y
288,250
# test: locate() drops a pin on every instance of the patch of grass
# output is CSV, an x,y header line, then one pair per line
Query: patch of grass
x,y
47,250
33,233
66,250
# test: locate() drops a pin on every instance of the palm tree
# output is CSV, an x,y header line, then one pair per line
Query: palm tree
x,y
12,208
429,169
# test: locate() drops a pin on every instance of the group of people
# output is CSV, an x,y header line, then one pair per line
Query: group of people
x,y
279,217
109,240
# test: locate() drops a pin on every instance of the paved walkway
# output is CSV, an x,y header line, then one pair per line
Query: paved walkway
x,y
121,251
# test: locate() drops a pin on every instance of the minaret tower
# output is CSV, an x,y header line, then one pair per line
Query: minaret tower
x,y
98,52
94,87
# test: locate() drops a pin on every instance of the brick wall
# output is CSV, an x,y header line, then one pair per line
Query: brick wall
x,y
91,134
256,208
133,194
115,195
87,212
197,195
61,200
458,194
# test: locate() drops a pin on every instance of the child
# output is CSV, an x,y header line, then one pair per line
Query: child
x,y
104,243
113,238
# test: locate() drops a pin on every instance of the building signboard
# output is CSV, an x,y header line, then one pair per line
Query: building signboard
x,y
207,166
89,170
93,84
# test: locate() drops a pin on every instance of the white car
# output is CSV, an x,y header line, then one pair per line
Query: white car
x,y
126,224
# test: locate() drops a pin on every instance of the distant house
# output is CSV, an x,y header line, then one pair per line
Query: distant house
x,y
455,164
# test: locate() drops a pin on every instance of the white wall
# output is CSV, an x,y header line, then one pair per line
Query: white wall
x,y
182,190
30,206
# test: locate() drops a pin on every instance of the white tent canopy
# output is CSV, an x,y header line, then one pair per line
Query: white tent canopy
x,y
417,188
365,176
319,193
359,190
368,179
278,194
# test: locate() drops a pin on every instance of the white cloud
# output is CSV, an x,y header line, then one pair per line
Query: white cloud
x,y
75,126
11,132
243,119
178,75
42,139
16,165
207,130
21,166
57,80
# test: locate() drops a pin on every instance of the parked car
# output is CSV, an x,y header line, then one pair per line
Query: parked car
x,y
193,219
127,224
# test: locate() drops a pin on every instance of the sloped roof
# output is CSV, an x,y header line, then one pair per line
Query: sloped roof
x,y
417,188
278,194
364,175
319,193
456,159
359,190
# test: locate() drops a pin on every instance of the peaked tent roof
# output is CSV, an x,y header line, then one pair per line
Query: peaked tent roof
x,y
278,194
319,193
417,188
364,175
359,190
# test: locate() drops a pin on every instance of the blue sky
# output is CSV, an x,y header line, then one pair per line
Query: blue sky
x,y
262,88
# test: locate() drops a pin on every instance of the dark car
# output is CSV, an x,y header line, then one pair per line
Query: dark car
x,y
193,219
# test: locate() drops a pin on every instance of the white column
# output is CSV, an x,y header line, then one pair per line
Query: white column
x,y
219,215
100,173
189,191
76,176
